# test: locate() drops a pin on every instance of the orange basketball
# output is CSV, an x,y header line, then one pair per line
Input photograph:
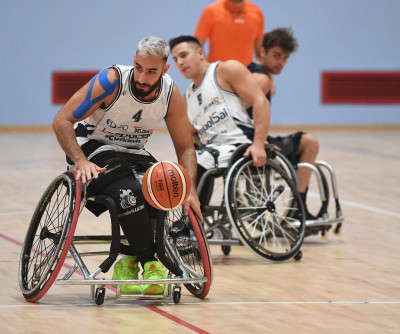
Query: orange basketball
x,y
166,185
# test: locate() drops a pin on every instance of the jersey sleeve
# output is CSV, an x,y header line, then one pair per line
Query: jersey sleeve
x,y
204,26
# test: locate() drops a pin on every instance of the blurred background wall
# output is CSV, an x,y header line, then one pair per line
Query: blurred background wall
x,y
42,36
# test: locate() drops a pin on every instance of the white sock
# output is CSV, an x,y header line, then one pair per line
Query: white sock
x,y
123,257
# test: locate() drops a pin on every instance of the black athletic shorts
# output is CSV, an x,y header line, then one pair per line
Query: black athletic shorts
x,y
288,145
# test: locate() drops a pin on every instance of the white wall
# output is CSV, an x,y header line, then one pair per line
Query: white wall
x,y
42,36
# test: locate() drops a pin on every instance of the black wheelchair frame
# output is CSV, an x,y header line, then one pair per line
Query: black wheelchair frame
x,y
327,190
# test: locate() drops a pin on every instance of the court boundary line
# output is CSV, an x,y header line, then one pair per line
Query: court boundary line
x,y
363,151
172,317
336,302
16,213
311,194
359,206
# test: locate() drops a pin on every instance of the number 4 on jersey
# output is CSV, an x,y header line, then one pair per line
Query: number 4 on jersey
x,y
138,116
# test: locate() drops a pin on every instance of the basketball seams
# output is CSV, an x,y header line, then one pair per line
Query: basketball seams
x,y
159,183
167,185
150,186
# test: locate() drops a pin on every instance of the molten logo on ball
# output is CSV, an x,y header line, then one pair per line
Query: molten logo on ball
x,y
166,185
174,182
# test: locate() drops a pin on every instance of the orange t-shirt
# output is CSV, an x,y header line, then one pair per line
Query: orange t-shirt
x,y
231,30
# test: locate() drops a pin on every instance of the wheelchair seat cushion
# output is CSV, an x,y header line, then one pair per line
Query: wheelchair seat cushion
x,y
215,155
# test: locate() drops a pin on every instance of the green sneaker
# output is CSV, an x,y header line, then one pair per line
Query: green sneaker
x,y
127,270
153,270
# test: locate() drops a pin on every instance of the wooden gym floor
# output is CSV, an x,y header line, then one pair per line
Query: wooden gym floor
x,y
343,284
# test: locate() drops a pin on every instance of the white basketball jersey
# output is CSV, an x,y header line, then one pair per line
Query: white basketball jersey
x,y
219,116
128,122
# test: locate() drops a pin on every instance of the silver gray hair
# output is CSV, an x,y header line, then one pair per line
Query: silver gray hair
x,y
153,46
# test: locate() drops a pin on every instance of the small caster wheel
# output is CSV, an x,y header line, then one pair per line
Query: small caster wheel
x,y
324,234
298,256
338,230
176,295
226,249
99,296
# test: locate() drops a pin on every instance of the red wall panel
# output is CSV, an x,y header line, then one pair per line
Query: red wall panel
x,y
361,87
65,84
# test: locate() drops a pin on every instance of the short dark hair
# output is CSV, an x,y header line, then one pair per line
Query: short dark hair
x,y
184,38
282,37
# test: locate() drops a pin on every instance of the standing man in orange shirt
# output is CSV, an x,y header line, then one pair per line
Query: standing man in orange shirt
x,y
234,29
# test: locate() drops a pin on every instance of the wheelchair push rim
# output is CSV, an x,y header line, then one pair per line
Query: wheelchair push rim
x,y
49,236
268,217
192,250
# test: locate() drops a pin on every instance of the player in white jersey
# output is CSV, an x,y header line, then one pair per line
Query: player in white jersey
x,y
117,112
216,104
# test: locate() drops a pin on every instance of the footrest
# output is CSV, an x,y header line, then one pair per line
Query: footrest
x,y
177,280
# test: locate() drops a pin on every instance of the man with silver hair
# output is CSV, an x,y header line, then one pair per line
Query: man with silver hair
x,y
153,46
103,129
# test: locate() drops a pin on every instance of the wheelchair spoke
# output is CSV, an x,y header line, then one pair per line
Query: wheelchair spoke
x,y
45,246
264,209
184,248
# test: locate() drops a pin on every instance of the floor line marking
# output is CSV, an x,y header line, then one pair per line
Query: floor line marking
x,y
335,302
359,206
362,151
311,194
370,208
298,302
16,213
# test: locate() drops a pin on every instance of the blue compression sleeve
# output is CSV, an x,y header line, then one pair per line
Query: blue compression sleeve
x,y
87,102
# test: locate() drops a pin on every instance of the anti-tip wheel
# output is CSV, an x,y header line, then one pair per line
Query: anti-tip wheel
x,y
298,256
226,250
338,230
99,297
176,295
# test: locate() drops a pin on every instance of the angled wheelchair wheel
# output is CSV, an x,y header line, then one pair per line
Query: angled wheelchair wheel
x,y
49,236
287,166
188,247
324,204
265,209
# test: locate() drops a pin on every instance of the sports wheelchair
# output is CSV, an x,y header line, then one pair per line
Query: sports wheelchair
x,y
263,205
324,183
181,247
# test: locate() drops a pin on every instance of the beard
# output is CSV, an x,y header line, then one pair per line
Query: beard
x,y
275,70
141,93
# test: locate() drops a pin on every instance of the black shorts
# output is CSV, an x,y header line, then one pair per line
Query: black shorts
x,y
288,145
121,166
